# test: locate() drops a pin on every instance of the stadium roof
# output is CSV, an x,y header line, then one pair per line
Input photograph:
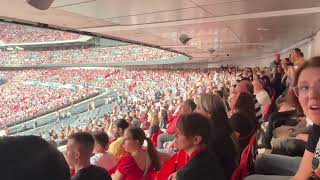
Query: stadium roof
x,y
221,30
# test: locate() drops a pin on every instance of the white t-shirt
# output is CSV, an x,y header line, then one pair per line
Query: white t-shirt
x,y
263,98
104,160
309,122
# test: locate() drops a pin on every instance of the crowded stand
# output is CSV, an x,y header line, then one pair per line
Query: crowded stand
x,y
28,92
17,33
127,53
197,124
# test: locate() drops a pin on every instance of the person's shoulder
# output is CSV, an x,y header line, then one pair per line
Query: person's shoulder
x,y
99,171
97,168
316,128
108,155
117,141
204,166
89,172
127,158
126,164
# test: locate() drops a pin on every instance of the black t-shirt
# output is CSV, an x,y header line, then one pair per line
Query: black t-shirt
x,y
313,144
227,154
92,173
225,149
203,166
244,127
313,139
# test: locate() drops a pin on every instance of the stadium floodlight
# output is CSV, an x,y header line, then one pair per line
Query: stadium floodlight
x,y
40,4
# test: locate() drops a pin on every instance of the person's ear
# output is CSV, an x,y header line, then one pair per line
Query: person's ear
x,y
77,155
197,140
121,131
137,142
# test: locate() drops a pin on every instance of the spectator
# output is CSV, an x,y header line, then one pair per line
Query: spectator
x,y
213,108
276,83
118,129
129,119
275,63
185,108
307,99
261,94
154,123
79,150
220,93
136,122
39,159
140,163
288,72
102,158
296,57
163,115
243,119
247,87
193,136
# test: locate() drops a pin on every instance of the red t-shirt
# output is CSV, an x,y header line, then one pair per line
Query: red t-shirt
x,y
172,127
128,167
177,161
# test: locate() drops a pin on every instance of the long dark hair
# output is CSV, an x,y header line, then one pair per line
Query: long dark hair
x,y
212,104
245,106
138,134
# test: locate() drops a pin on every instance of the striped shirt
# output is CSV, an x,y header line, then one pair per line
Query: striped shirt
x,y
257,108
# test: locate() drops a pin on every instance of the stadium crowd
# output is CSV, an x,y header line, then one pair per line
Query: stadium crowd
x,y
199,125
128,53
17,33
23,94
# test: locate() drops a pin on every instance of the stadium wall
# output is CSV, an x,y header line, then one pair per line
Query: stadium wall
x,y
310,47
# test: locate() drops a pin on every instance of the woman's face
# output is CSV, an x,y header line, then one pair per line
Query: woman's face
x,y
130,145
309,93
233,100
182,141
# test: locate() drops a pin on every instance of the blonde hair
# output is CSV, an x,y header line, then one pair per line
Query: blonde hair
x,y
210,102
154,117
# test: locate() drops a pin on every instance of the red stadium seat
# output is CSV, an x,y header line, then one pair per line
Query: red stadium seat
x,y
154,137
246,161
